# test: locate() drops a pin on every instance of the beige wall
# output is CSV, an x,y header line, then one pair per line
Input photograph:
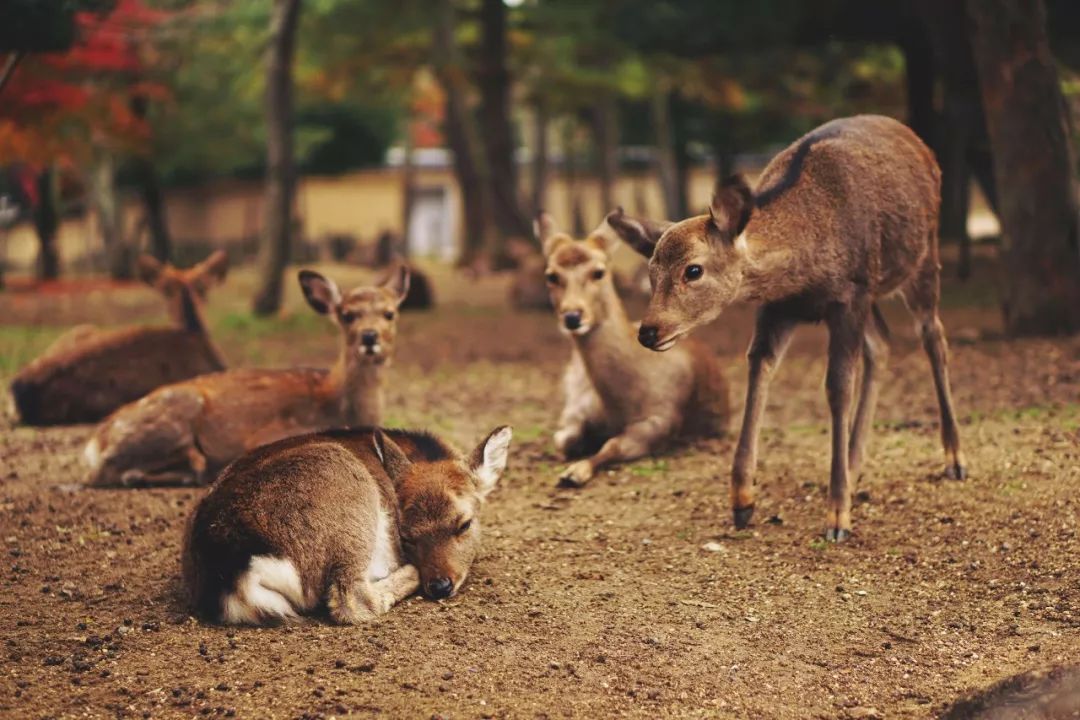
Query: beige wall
x,y
362,204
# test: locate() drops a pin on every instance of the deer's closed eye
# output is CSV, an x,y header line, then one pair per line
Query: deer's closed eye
x,y
463,528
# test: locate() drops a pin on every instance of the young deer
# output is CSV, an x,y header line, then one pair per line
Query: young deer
x,y
846,215
88,372
355,520
621,401
186,432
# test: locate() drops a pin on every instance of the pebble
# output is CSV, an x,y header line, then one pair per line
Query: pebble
x,y
713,546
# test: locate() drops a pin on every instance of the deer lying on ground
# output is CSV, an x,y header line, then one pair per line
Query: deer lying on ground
x,y
88,372
845,216
183,434
621,401
355,520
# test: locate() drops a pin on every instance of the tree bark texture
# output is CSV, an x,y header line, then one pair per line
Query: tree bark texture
x,y
470,164
606,134
47,223
1034,163
493,80
118,258
665,153
540,158
280,168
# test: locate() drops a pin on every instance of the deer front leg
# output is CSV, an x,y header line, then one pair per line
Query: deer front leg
x,y
875,356
581,416
636,441
772,334
847,325
394,588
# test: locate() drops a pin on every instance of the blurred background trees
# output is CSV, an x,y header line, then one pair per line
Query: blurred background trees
x,y
150,96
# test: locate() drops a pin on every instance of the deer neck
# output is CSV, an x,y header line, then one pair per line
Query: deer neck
x,y
771,270
193,320
356,389
609,349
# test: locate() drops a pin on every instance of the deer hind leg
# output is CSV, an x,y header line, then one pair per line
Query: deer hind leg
x,y
875,357
847,330
772,334
151,443
921,297
634,442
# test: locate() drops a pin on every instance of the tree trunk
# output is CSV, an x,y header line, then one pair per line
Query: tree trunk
x,y
280,173
408,186
680,140
1033,161
150,190
47,223
573,195
107,208
470,165
540,156
665,153
606,135
493,80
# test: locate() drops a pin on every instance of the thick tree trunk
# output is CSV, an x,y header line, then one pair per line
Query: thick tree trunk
x,y
1034,163
540,156
493,80
150,191
606,135
665,153
570,175
47,223
408,187
470,164
107,209
280,171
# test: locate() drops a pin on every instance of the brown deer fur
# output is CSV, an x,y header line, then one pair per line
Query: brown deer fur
x,y
355,520
88,372
845,216
621,401
184,433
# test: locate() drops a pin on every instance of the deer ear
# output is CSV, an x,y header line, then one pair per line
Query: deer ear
x,y
391,457
211,271
638,233
149,269
547,232
321,293
488,460
731,207
398,282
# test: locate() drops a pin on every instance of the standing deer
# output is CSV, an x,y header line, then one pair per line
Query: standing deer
x,y
621,401
845,216
183,434
88,372
355,520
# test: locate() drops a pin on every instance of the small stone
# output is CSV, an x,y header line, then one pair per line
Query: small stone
x,y
713,546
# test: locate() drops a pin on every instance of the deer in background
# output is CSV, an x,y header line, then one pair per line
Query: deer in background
x,y
355,520
845,216
621,401
88,372
183,434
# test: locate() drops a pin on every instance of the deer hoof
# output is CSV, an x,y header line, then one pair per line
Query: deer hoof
x,y
836,535
742,516
956,471
576,475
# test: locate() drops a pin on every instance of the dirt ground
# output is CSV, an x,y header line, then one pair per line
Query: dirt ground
x,y
599,602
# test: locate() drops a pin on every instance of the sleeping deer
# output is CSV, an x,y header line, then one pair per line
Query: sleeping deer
x,y
185,433
88,372
621,401
845,216
353,520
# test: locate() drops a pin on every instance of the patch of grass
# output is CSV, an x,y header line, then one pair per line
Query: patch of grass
x,y
528,433
23,343
649,468
819,544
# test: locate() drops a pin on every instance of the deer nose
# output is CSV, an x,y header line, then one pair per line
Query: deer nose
x,y
440,588
647,335
369,337
572,319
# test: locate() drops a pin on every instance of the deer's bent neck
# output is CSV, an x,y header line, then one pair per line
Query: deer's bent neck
x,y
609,349
193,320
356,388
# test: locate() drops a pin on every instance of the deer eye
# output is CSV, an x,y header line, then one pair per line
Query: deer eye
x,y
693,272
552,278
463,528
389,314
347,317
598,274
